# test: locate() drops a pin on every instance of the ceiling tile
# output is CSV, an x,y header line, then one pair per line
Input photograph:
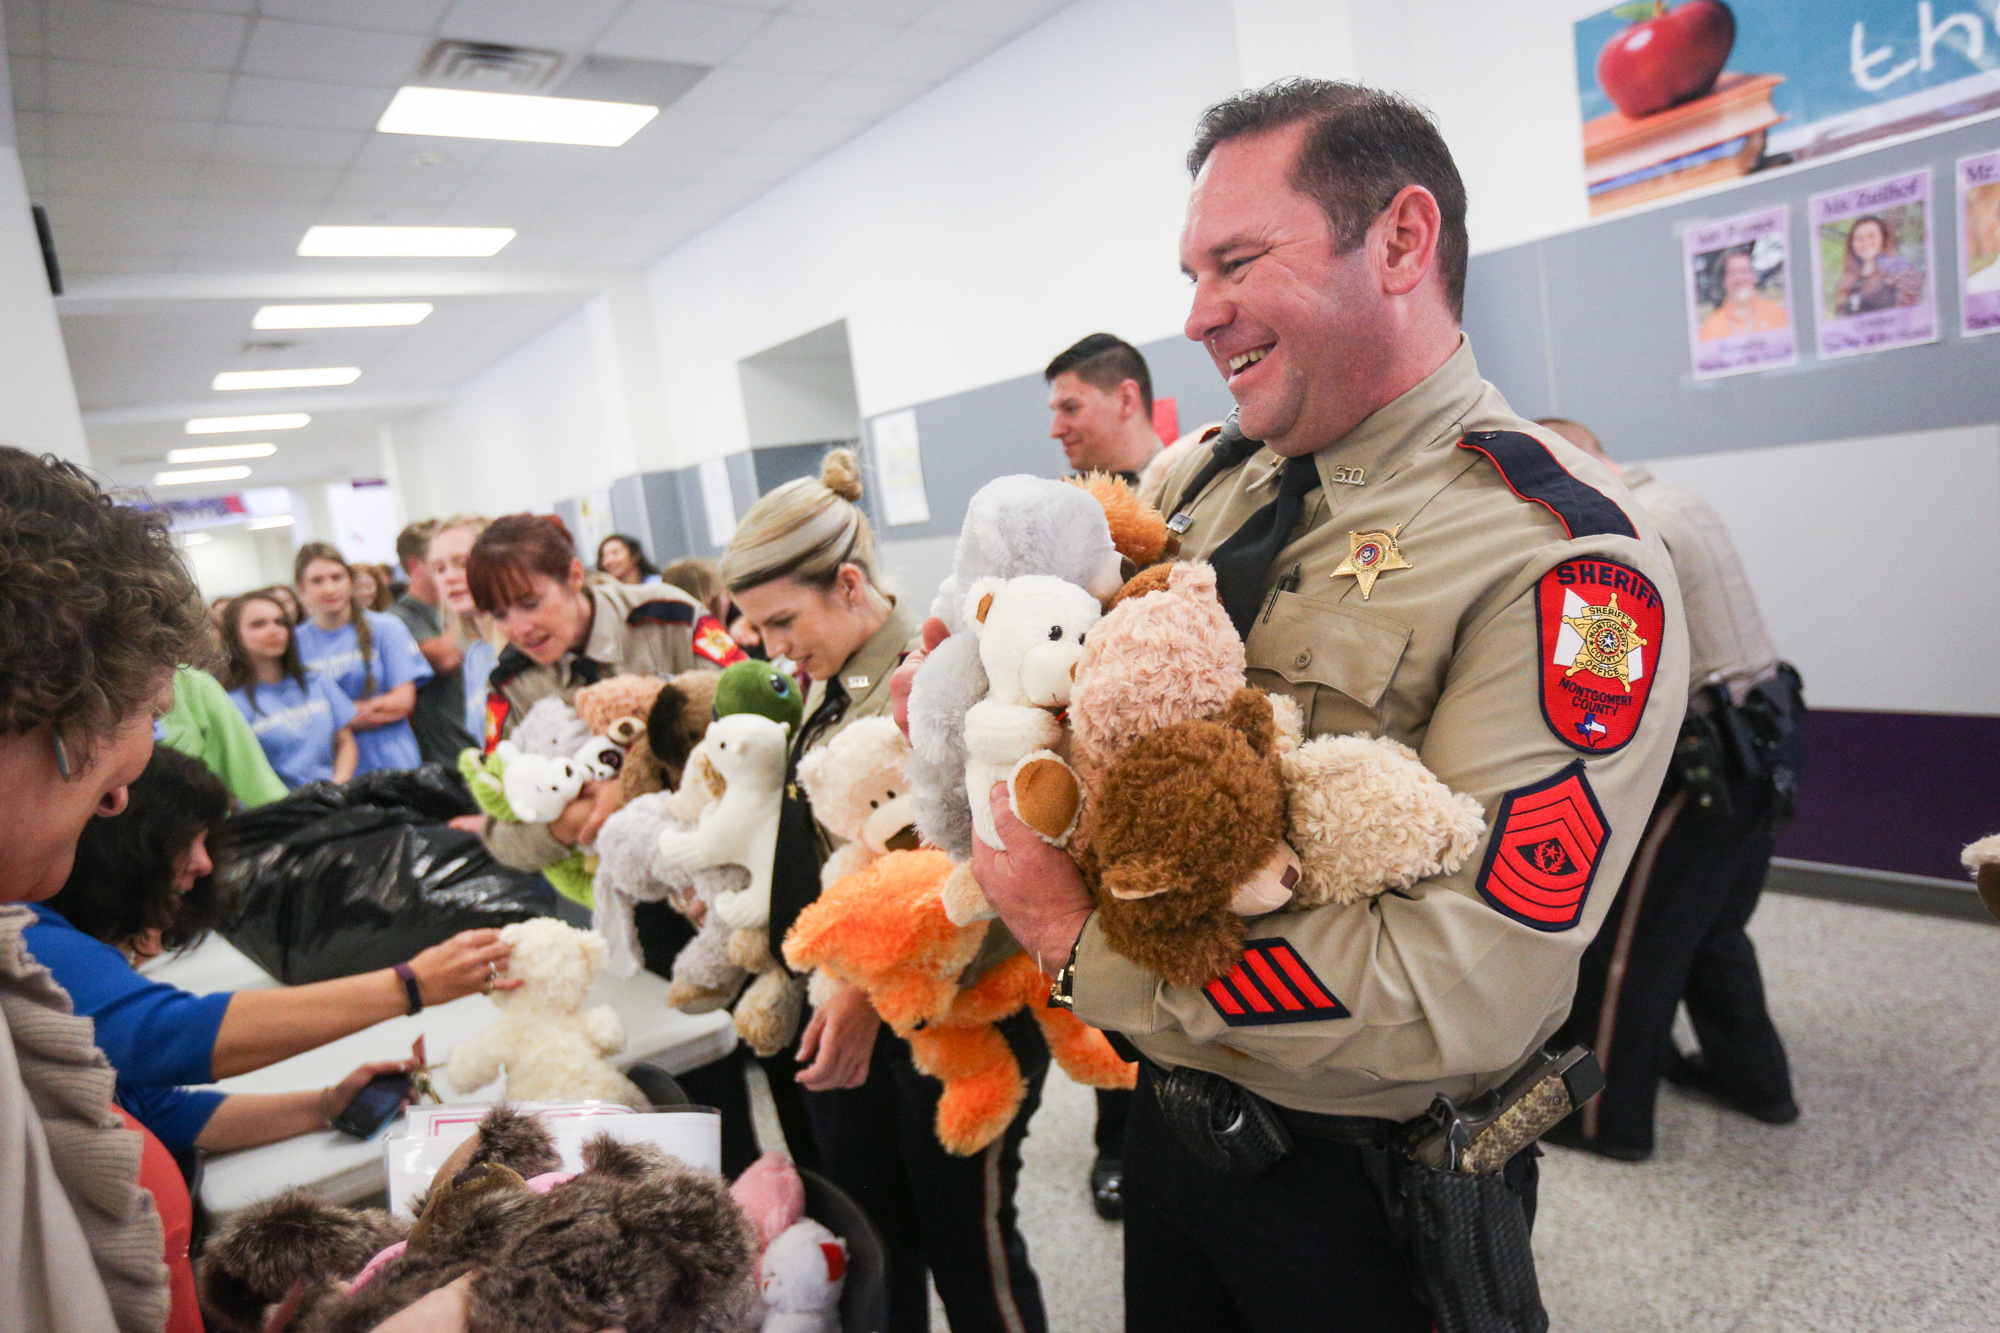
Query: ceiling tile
x,y
758,92
115,90
35,172
795,134
284,146
541,161
423,152
100,175
256,100
894,12
804,45
675,30
310,50
75,135
217,6
255,183
288,217
30,88
846,97
992,18
115,34
508,194
106,261
925,55
717,131
251,246
93,222
761,168
411,188
23,21
388,15
567,26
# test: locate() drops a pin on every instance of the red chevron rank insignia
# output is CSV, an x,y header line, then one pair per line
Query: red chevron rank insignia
x,y
1271,985
1543,852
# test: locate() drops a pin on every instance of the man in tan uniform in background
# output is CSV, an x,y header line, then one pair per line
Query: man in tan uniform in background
x,y
1406,558
1677,932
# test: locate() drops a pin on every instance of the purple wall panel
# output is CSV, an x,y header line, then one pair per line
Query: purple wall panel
x,y
1896,791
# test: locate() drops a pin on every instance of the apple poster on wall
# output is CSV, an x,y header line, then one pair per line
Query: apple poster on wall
x,y
1979,244
1739,293
1872,266
1705,92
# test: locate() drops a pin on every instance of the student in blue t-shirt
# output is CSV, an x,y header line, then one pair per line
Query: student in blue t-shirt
x,y
371,656
300,717
450,547
141,885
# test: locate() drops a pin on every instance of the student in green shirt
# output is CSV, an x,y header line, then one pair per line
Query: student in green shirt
x,y
205,724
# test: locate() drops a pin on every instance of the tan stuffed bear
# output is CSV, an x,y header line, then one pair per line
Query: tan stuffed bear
x,y
551,1047
858,791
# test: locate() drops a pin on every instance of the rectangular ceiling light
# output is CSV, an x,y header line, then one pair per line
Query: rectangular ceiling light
x,y
232,425
195,474
316,378
341,316
221,453
405,242
276,521
461,113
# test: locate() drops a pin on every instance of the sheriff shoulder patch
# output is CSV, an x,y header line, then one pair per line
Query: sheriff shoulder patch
x,y
497,709
711,641
1271,985
1600,626
1543,851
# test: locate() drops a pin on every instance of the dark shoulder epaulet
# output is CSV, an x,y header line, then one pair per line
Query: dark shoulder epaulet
x,y
662,611
511,663
1533,473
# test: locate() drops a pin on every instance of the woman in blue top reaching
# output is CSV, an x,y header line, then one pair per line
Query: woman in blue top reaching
x,y
300,717
371,656
140,886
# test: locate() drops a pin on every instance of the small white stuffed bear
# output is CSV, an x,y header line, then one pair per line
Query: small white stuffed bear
x,y
858,791
1030,632
537,786
802,1275
551,1047
748,751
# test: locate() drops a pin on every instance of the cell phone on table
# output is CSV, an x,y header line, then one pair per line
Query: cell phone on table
x,y
374,1106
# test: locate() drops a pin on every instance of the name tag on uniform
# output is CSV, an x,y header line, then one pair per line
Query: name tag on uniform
x,y
1180,522
856,682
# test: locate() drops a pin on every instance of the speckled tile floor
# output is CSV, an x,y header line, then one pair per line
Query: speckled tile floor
x,y
1879,1210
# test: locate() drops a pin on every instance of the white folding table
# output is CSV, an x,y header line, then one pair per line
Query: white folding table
x,y
344,1169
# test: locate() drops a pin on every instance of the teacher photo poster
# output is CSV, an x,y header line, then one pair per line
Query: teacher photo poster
x,y
1739,293
1979,244
1873,266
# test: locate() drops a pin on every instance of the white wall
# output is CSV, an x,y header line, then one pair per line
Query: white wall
x,y
38,409
548,422
236,560
1873,562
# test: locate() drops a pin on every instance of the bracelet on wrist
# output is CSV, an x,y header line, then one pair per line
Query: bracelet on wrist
x,y
408,976
326,1108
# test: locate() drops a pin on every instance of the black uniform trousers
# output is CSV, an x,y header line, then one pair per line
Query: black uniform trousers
x,y
663,933
1678,933
952,1217
1303,1247
1114,1112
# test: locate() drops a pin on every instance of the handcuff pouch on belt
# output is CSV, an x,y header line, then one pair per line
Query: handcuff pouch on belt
x,y
1223,1124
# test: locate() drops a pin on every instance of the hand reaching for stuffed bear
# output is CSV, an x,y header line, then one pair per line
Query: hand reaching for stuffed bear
x,y
1035,887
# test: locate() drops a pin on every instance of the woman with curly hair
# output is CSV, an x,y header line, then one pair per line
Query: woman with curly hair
x,y
300,718
370,655
95,611
1874,276
142,884
624,559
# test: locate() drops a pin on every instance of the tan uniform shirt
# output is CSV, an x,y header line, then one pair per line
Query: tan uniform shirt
x,y
1726,637
1443,987
640,629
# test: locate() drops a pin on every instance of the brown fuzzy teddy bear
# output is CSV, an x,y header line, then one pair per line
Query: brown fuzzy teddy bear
x,y
884,929
635,1241
1204,804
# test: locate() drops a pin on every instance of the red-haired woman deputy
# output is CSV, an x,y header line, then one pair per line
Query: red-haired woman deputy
x,y
565,630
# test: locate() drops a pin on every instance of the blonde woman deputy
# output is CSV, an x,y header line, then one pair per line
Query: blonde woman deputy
x,y
802,568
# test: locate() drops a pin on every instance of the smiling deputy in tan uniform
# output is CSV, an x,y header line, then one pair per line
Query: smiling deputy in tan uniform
x,y
1406,557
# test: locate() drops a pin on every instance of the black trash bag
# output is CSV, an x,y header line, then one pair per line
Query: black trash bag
x,y
333,880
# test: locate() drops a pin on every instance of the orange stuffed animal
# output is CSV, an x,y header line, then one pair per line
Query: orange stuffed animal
x,y
884,929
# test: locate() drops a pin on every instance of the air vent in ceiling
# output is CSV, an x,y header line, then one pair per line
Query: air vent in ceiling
x,y
489,66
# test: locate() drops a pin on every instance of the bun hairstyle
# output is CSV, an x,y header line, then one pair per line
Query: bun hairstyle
x,y
805,530
364,633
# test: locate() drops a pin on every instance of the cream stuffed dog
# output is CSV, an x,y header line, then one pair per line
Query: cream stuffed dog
x,y
551,1047
747,750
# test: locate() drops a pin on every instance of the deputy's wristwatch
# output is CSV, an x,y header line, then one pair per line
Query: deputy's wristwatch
x,y
1062,992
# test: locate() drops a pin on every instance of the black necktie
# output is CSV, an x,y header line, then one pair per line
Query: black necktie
x,y
1243,563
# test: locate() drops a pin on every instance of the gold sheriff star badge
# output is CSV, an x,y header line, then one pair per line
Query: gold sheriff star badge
x,y
1609,640
1369,555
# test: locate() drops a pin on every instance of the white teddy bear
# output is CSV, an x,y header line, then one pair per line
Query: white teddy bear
x,y
747,750
802,1276
551,1047
859,792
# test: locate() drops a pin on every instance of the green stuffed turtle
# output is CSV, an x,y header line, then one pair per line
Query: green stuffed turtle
x,y
759,687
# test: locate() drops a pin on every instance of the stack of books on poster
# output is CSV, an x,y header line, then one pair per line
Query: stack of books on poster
x,y
1711,139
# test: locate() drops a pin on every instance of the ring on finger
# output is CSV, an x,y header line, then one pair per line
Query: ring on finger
x,y
492,975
